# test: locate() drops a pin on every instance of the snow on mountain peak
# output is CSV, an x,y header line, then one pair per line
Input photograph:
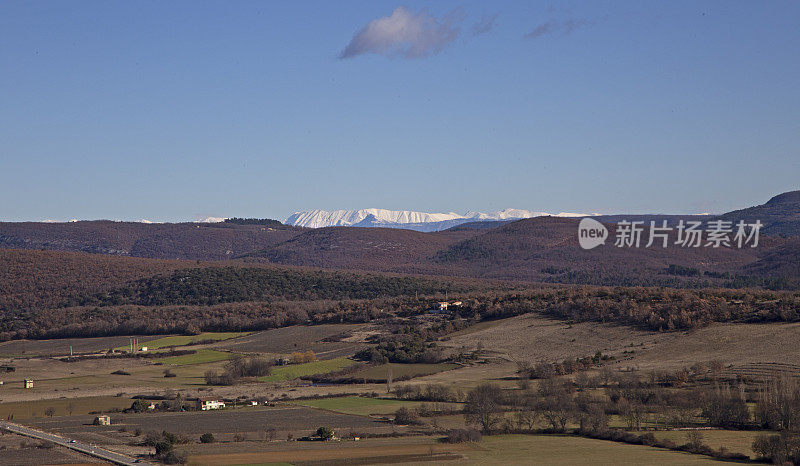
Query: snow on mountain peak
x,y
322,218
422,221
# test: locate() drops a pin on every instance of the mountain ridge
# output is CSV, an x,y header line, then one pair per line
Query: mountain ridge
x,y
408,219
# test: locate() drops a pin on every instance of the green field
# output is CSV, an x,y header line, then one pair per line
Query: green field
x,y
294,371
182,340
401,371
200,357
62,406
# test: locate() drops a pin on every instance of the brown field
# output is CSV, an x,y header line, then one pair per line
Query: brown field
x,y
55,379
299,338
398,371
502,449
534,338
297,420
61,347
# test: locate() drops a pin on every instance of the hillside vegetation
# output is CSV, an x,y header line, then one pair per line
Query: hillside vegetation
x,y
215,285
541,249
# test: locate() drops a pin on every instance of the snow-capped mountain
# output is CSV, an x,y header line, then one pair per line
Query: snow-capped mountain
x,y
420,221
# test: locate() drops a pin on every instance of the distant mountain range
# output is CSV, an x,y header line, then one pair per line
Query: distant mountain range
x,y
407,219
495,245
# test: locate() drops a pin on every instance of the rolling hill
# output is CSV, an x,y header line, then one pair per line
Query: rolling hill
x,y
535,249
199,241
780,215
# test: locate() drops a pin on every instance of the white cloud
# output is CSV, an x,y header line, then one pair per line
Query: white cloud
x,y
405,34
486,24
551,27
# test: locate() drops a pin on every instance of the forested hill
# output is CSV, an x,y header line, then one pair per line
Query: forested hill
x,y
215,285
541,249
35,280
199,241
780,215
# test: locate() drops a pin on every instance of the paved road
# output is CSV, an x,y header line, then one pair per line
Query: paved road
x,y
92,450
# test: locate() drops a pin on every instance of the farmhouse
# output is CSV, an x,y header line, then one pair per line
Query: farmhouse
x,y
102,420
28,383
206,403
443,305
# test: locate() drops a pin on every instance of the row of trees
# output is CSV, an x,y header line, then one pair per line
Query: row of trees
x,y
557,402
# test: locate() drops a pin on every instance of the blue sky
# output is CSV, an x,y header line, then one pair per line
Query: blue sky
x,y
180,110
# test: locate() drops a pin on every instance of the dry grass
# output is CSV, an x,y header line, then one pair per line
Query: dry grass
x,y
62,406
533,337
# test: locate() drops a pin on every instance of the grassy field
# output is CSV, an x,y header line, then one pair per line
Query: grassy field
x,y
296,338
502,449
554,449
533,337
367,451
364,406
358,405
294,371
202,356
62,406
401,371
736,441
183,340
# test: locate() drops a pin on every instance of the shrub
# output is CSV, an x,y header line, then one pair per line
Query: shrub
x,y
163,447
405,416
173,457
300,358
463,435
208,437
325,433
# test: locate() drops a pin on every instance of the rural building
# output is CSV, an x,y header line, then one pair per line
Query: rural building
x,y
204,404
7,368
102,420
444,304
28,383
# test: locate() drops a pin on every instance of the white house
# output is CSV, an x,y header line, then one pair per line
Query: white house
x,y
204,404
